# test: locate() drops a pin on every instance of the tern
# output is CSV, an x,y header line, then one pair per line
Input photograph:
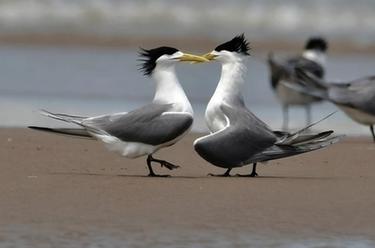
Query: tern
x,y
238,137
143,131
313,60
356,98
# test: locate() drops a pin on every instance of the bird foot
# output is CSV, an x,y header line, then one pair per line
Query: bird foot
x,y
157,175
218,175
168,165
248,175
163,163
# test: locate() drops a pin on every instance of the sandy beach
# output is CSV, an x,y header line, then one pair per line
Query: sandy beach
x,y
60,190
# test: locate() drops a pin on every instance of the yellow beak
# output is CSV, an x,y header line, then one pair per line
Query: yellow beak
x,y
209,56
193,58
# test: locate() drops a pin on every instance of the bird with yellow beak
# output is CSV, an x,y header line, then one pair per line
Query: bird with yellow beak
x,y
238,137
146,130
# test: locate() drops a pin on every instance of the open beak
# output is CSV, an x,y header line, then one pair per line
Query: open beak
x,y
209,56
193,58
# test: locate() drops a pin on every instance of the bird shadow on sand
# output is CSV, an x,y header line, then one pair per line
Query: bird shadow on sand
x,y
294,177
121,175
234,177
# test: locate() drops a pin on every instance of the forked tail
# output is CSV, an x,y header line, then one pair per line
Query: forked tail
x,y
297,143
76,132
283,151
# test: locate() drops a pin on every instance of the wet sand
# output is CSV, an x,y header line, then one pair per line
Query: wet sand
x,y
73,187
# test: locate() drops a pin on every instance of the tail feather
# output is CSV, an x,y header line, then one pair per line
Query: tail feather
x,y
314,123
76,132
303,139
297,137
318,144
64,117
282,151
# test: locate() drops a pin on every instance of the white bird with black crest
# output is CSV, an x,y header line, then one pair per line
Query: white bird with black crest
x,y
313,60
146,130
238,137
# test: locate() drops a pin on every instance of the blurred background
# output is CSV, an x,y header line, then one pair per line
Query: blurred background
x,y
80,56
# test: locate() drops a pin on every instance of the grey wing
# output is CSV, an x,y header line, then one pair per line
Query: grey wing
x,y
277,70
235,144
359,94
285,70
309,66
151,124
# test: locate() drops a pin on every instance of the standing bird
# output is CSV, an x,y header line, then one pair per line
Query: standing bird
x,y
238,137
312,60
356,98
145,130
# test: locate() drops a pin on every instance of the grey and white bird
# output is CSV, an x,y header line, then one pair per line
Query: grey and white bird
x,y
356,98
150,128
313,60
237,137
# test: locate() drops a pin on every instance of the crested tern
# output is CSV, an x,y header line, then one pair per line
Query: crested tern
x,y
145,130
355,98
313,60
238,137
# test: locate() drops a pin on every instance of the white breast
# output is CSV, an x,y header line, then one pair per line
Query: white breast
x,y
359,116
229,87
215,118
126,149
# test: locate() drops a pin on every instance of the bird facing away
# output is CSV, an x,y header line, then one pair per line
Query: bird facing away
x,y
312,60
238,137
145,130
356,98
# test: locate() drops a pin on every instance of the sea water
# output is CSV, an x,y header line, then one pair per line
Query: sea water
x,y
30,236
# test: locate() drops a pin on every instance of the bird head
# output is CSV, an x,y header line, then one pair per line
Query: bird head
x,y
164,56
230,51
316,44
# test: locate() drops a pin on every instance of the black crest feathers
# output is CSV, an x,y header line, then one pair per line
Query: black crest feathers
x,y
316,43
149,57
238,44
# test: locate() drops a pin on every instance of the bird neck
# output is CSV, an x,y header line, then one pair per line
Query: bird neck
x,y
315,55
231,81
168,89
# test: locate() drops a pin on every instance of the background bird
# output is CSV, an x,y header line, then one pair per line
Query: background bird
x,y
145,130
312,60
238,137
356,98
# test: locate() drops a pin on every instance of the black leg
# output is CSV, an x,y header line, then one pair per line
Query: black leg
x,y
253,172
285,117
151,172
162,163
372,132
226,174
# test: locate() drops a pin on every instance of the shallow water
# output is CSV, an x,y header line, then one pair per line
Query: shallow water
x,y
90,81
26,236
